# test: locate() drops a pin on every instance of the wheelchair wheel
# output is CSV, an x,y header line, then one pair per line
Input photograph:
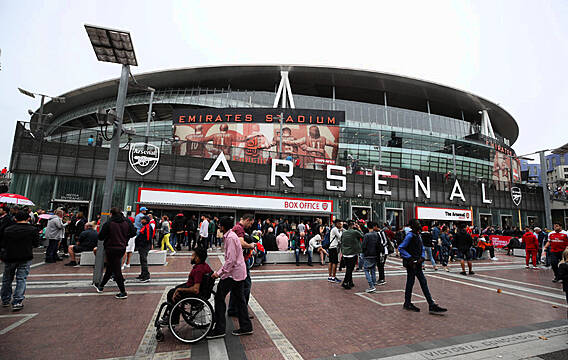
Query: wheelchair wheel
x,y
195,320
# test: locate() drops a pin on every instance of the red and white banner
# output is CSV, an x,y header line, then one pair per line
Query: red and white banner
x,y
499,241
233,201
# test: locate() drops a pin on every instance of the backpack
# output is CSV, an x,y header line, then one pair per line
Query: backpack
x,y
326,240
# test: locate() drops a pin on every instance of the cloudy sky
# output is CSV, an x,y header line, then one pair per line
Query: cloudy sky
x,y
514,53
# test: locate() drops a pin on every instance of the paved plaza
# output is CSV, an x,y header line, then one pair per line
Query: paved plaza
x,y
502,312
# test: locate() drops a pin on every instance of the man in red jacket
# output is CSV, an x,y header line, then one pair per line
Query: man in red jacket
x,y
557,241
531,247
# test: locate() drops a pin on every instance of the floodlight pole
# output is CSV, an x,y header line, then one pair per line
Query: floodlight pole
x,y
111,165
545,193
149,114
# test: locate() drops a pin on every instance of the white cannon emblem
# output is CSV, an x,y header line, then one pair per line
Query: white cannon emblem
x,y
143,157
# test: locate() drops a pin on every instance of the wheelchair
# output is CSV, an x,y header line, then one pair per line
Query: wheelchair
x,y
196,316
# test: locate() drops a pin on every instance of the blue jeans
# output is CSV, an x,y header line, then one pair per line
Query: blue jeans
x,y
361,261
371,270
428,251
308,252
21,271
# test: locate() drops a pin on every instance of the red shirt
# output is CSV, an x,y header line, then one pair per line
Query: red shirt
x,y
558,241
196,274
239,230
531,242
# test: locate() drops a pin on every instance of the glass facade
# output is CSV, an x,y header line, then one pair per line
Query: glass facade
x,y
374,134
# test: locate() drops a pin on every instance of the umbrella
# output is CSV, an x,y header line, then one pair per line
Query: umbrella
x,y
15,199
45,216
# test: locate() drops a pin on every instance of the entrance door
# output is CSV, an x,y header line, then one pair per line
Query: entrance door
x,y
485,220
72,206
394,217
507,221
361,213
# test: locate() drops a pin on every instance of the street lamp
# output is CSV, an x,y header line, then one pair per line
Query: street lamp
x,y
114,46
40,114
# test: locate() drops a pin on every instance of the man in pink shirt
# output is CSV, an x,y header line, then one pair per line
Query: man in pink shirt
x,y
232,274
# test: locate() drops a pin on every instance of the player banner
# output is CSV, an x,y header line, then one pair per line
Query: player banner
x,y
310,137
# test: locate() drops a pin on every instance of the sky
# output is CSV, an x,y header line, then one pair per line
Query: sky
x,y
513,53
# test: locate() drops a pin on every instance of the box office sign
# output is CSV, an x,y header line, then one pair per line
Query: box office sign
x,y
234,201
310,137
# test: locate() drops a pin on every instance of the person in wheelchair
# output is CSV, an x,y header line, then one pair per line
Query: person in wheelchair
x,y
191,287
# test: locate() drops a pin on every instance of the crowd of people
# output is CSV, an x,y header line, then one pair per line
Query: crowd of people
x,y
355,245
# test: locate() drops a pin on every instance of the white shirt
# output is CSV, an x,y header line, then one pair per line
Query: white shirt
x,y
335,237
204,229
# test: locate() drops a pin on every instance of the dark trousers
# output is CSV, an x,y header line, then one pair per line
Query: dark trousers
x,y
192,241
246,292
555,258
479,252
63,245
413,272
170,299
381,259
51,252
143,252
114,263
203,242
236,289
349,266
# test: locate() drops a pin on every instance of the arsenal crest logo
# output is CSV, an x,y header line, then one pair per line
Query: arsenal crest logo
x,y
143,157
516,195
324,206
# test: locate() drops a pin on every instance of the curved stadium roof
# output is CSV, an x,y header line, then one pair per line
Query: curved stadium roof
x,y
350,84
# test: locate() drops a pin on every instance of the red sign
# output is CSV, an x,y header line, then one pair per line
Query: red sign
x,y
499,241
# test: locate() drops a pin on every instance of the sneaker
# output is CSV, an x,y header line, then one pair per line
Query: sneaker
x,y
172,254
239,332
447,269
127,266
463,273
410,307
436,310
527,267
216,335
330,279
535,268
5,304
123,267
17,307
337,280
554,280
99,289
121,296
144,280
471,273
380,282
371,290
494,259
345,286
71,263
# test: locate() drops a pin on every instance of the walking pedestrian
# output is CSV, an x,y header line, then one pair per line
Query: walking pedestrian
x,y
204,231
115,233
16,251
445,247
531,247
232,274
240,229
350,248
143,245
166,234
427,241
563,272
464,242
412,252
55,233
334,240
557,242
370,253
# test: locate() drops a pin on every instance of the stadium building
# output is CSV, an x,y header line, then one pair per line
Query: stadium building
x,y
296,141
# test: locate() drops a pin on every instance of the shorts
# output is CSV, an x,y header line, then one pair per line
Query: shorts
x,y
333,256
466,255
79,249
131,245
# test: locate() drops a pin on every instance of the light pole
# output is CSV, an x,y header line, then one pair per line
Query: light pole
x,y
113,46
544,184
40,114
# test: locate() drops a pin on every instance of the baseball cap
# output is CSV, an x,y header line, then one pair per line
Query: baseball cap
x,y
143,208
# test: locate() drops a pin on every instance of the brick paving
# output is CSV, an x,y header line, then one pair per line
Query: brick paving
x,y
317,318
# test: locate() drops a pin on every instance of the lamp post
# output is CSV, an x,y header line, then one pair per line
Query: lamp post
x,y
113,46
40,114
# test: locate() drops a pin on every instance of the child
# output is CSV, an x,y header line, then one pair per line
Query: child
x,y
563,272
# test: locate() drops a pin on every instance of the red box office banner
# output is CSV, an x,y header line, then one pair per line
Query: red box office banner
x,y
499,241
310,137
